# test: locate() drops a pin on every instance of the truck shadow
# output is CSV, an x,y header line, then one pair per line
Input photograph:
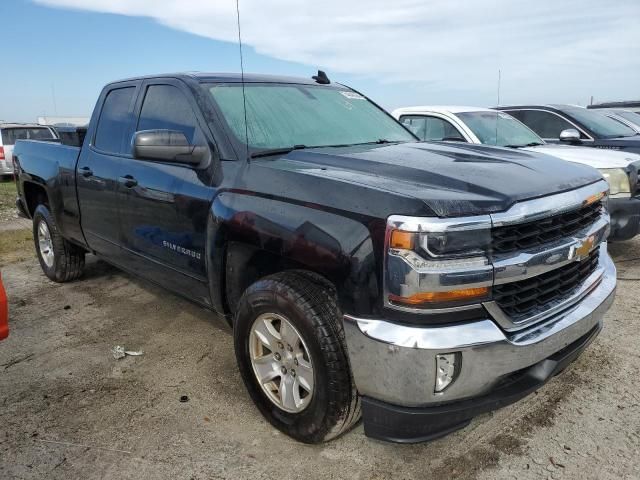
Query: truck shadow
x,y
98,271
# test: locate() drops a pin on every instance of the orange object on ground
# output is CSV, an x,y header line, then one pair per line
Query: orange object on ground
x,y
4,312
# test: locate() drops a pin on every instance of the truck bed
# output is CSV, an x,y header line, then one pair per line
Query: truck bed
x,y
52,168
45,159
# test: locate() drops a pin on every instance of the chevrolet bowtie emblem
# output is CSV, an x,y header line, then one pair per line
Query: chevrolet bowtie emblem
x,y
582,250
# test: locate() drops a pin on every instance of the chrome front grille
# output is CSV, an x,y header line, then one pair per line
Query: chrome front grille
x,y
523,236
528,298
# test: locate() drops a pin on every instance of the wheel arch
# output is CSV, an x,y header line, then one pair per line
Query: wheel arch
x,y
252,237
34,195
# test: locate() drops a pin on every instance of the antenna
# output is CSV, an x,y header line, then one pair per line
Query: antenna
x,y
497,114
244,98
499,79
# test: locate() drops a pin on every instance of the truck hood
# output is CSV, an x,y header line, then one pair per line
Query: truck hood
x,y
594,157
449,180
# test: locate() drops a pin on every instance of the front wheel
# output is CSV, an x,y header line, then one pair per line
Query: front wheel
x,y
60,260
292,356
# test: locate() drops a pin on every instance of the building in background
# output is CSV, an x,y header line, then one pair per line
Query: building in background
x,y
63,121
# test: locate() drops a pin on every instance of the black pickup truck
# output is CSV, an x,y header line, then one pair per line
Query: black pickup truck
x,y
364,273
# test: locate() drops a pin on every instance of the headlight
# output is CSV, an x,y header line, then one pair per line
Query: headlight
x,y
454,244
618,181
437,263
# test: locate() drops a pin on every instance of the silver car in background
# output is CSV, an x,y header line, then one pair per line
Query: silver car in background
x,y
10,132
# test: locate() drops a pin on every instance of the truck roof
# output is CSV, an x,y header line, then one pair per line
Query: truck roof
x,y
231,78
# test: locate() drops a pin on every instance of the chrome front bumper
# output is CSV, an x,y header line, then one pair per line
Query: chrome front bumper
x,y
396,363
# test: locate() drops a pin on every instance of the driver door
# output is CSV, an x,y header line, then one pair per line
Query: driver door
x,y
165,205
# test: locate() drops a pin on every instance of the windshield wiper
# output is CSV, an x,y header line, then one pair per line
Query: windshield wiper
x,y
283,150
380,141
531,144
276,151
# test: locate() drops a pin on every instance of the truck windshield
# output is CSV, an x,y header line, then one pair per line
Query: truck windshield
x,y
498,128
599,123
10,135
284,116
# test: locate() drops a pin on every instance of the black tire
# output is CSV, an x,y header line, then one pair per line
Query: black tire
x,y
68,259
309,303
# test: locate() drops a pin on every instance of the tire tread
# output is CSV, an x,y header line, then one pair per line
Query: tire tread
x,y
316,298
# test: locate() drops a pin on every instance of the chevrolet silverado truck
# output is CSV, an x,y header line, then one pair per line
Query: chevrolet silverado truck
x,y
364,273
489,127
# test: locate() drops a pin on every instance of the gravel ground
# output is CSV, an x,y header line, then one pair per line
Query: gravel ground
x,y
68,409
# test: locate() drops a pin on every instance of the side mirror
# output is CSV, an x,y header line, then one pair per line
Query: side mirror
x,y
166,145
570,135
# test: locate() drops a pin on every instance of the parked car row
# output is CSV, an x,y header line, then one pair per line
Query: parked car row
x,y
475,125
576,125
365,273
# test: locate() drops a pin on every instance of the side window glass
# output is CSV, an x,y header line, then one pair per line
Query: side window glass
x,y
439,129
165,107
545,124
113,123
418,125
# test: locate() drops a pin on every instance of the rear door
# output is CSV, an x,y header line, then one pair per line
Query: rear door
x,y
98,169
164,205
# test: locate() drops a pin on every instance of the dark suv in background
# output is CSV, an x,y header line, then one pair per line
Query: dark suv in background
x,y
576,125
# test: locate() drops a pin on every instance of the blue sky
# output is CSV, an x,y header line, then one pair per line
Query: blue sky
x,y
400,53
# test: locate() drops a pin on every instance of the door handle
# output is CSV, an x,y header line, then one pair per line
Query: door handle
x,y
128,181
86,172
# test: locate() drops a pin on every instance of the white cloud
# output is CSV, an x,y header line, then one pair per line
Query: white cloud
x,y
547,49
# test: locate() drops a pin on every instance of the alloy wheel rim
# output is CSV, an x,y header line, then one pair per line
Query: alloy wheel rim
x,y
281,362
45,244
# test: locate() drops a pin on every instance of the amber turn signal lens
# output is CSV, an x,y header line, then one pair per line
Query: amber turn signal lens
x,y
400,239
594,198
441,297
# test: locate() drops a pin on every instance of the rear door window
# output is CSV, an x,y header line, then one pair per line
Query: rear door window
x,y
11,135
431,128
115,121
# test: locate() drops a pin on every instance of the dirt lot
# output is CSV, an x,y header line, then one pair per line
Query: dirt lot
x,y
68,409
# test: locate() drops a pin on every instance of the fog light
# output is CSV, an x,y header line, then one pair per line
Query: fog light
x,y
447,366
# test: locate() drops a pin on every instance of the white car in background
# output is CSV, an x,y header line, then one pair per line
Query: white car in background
x,y
491,127
10,132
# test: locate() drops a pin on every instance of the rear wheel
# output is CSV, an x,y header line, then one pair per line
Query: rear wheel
x,y
292,356
60,260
